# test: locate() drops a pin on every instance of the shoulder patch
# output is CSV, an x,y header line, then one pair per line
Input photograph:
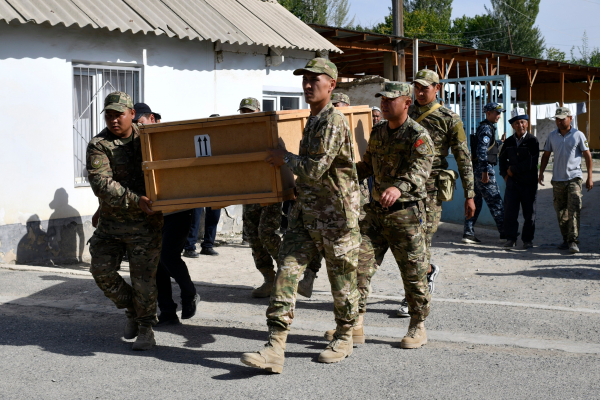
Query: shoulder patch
x,y
486,139
96,162
422,147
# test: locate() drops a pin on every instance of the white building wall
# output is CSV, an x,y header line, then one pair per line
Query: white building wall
x,y
36,151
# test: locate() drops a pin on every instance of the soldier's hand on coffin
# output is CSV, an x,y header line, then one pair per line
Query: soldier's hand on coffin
x,y
146,205
275,157
389,196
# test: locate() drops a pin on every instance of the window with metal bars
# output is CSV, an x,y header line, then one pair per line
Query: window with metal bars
x,y
91,84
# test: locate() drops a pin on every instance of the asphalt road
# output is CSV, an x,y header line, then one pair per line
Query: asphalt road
x,y
60,338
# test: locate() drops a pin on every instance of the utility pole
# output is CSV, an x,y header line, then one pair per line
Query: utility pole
x,y
398,19
510,37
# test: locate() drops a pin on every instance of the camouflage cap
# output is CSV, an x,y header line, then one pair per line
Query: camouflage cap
x,y
250,103
118,101
562,113
340,97
493,106
319,66
427,77
395,89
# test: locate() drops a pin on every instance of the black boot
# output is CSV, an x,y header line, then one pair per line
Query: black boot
x,y
167,318
188,308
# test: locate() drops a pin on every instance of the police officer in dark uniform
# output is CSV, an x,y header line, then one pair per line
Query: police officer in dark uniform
x,y
484,150
519,167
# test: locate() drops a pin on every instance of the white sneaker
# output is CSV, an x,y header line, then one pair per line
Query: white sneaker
x,y
403,310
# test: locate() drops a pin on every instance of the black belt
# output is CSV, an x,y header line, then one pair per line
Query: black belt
x,y
399,205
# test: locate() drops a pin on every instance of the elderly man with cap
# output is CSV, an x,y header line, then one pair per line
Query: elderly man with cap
x,y
324,220
127,223
376,113
568,145
260,226
518,160
484,151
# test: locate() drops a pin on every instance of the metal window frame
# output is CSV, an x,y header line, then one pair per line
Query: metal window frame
x,y
98,69
270,94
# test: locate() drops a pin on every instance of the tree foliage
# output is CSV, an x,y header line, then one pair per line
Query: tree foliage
x,y
431,20
587,56
321,12
517,19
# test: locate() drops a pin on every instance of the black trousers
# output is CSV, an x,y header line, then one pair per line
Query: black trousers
x,y
519,195
174,236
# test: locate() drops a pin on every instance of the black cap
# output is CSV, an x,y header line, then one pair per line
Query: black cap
x,y
141,109
518,117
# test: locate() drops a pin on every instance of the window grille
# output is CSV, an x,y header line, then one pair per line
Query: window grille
x,y
91,84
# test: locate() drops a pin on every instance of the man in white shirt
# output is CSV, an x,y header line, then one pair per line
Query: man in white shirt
x,y
568,145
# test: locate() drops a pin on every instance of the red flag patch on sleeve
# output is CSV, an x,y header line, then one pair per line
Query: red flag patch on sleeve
x,y
418,143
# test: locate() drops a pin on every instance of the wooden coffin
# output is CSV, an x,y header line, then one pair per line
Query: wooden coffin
x,y
217,162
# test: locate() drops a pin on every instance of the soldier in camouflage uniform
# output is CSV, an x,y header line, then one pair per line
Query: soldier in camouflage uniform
x,y
323,221
446,130
399,157
305,286
260,226
340,100
485,147
127,224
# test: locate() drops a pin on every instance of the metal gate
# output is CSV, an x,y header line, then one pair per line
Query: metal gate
x,y
467,96
91,84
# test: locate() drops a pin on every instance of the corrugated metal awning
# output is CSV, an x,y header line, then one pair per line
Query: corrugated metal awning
x,y
260,22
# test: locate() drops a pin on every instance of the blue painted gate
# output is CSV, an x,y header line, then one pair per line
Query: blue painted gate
x,y
467,97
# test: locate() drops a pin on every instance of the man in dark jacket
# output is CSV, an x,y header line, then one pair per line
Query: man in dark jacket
x,y
519,167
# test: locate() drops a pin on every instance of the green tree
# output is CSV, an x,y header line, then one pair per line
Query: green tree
x,y
442,8
517,18
309,11
554,54
587,56
421,21
338,14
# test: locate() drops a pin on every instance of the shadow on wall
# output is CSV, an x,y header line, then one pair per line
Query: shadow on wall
x,y
62,243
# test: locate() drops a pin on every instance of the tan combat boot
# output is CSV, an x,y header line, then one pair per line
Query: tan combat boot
x,y
358,332
339,348
131,327
416,335
145,339
265,289
305,286
272,356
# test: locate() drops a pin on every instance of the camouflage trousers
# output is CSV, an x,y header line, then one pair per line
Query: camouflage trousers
x,y
491,194
260,224
567,203
402,231
143,250
433,208
299,247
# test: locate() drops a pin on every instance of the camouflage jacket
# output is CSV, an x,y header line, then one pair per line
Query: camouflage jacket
x,y
116,177
447,131
400,157
327,183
